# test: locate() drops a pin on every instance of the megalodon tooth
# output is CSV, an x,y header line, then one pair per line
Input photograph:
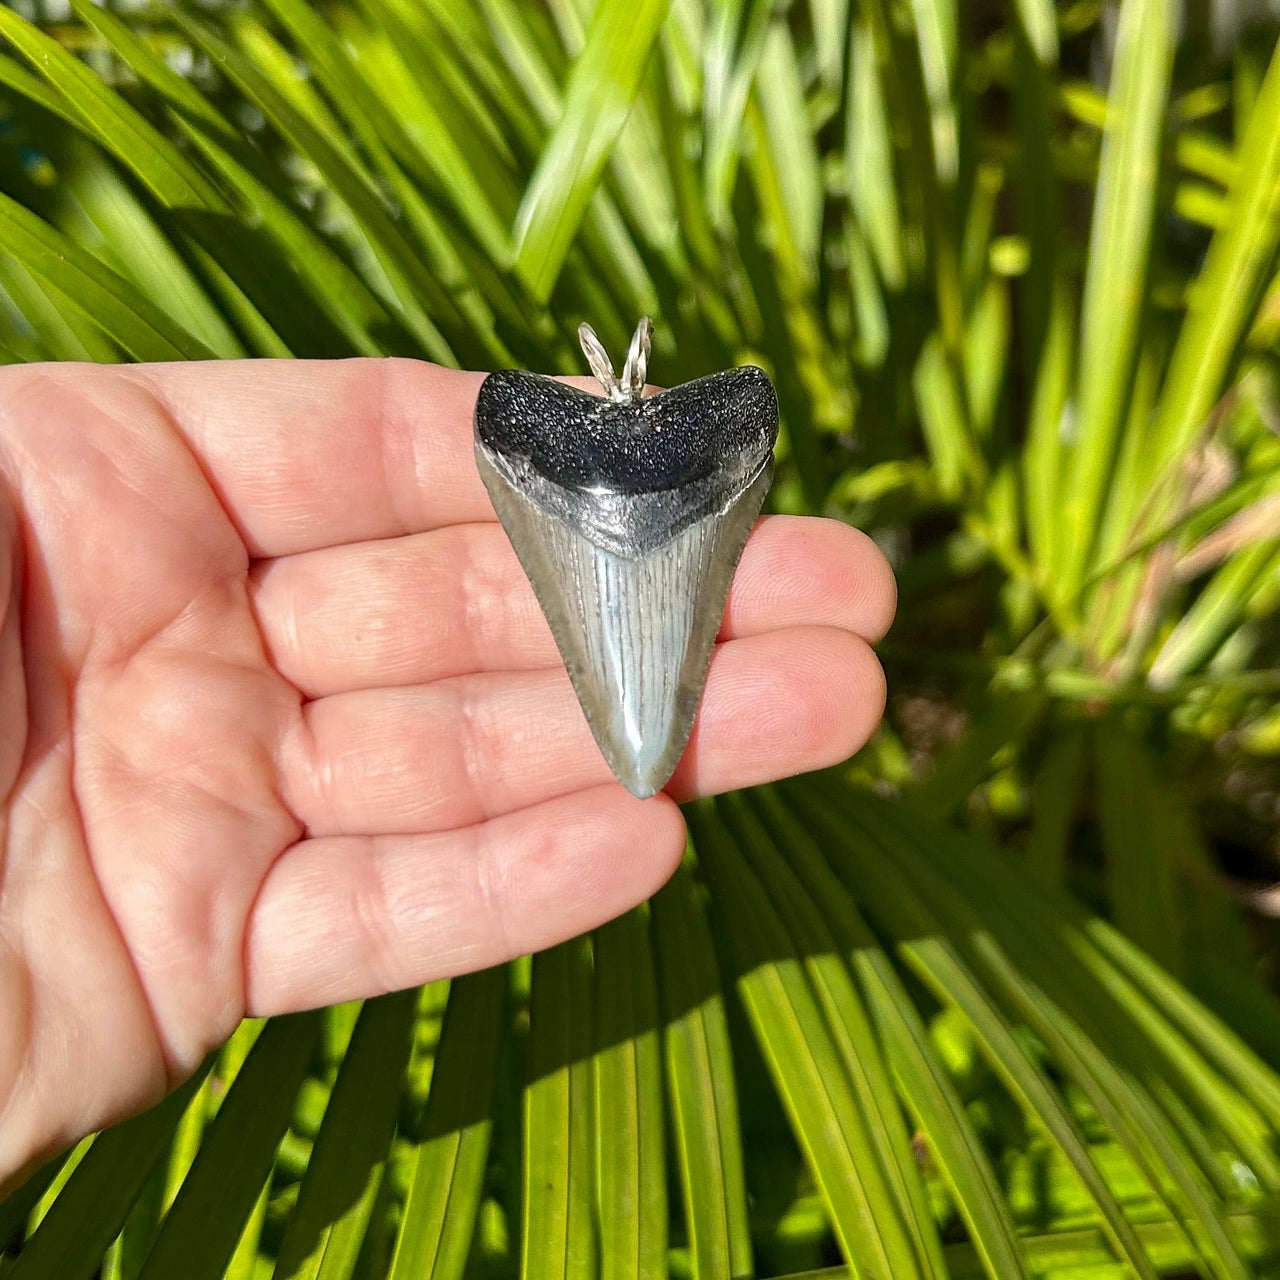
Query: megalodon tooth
x,y
628,514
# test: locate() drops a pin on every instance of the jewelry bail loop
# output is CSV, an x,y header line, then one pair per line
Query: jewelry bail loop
x,y
631,385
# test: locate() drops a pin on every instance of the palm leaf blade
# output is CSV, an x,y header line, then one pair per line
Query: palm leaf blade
x,y
605,80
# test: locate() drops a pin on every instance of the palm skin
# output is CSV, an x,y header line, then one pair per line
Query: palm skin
x,y
283,724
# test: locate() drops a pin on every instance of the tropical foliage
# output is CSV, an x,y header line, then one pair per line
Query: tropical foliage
x,y
978,1004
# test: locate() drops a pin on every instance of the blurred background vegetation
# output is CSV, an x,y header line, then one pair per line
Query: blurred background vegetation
x,y
997,998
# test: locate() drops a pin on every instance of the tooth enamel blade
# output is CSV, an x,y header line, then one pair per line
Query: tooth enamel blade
x,y
636,631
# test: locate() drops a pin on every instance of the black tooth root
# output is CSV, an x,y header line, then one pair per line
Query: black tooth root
x,y
725,423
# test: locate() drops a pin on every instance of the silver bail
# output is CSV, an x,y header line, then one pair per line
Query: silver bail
x,y
629,515
631,385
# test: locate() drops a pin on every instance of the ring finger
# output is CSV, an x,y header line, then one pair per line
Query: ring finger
x,y
446,755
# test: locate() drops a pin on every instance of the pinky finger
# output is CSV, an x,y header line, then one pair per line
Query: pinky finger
x,y
342,917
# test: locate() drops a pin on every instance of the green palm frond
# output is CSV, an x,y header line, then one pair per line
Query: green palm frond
x,y
946,1050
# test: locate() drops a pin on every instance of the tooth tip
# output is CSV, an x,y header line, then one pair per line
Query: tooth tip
x,y
642,790
642,780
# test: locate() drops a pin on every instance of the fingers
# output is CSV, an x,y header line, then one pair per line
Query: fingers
x,y
315,453
341,917
783,703
463,751
417,609
805,571
402,611
306,453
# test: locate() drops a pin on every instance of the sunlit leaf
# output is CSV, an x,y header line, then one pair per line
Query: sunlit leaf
x,y
1119,247
92,289
447,1169
605,79
218,1195
328,1222
90,1208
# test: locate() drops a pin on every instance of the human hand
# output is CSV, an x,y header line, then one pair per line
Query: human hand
x,y
283,724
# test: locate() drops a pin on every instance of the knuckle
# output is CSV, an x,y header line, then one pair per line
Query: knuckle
x,y
475,753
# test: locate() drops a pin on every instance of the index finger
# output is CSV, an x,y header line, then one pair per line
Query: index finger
x,y
314,453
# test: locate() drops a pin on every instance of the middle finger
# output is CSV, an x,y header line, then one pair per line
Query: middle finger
x,y
455,601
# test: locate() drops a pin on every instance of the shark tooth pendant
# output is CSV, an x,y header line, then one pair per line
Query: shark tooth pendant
x,y
628,514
